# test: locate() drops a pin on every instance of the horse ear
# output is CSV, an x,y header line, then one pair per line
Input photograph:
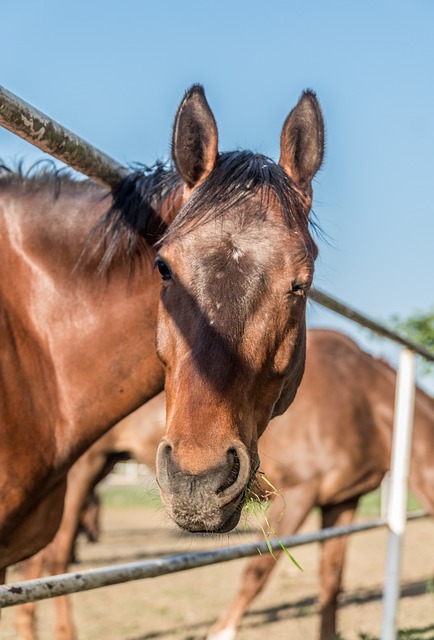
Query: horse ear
x,y
302,140
195,138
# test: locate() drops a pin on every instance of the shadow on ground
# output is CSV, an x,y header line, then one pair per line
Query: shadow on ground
x,y
302,608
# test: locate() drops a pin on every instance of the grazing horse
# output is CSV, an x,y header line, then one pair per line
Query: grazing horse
x,y
332,446
78,318
137,436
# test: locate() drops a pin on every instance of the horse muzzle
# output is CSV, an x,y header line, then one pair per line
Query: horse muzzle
x,y
210,501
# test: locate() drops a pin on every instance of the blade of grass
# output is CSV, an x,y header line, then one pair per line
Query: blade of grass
x,y
254,506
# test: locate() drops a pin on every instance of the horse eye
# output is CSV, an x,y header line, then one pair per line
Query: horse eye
x,y
163,268
298,288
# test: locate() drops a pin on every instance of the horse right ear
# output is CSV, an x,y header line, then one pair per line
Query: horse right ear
x,y
302,141
195,138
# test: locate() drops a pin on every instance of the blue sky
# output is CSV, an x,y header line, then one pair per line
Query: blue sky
x,y
114,72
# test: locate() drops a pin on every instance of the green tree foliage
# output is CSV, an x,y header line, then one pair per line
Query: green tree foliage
x,y
419,328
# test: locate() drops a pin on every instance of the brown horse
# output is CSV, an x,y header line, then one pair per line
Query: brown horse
x,y
137,436
332,446
78,317
58,394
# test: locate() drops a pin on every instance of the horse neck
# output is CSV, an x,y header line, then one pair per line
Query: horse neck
x,y
123,370
81,345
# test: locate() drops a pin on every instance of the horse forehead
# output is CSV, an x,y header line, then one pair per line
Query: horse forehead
x,y
235,237
239,254
232,265
231,279
266,253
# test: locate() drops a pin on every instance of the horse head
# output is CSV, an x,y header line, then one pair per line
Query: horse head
x,y
236,265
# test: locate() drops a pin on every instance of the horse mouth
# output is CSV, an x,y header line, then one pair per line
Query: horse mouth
x,y
199,504
221,518
236,507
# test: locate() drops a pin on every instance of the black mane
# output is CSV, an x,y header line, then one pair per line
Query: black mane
x,y
43,174
133,223
236,176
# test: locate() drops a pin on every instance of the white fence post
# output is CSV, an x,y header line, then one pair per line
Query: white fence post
x,y
397,503
384,495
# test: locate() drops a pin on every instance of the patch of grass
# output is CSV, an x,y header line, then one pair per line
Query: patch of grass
x,y
421,633
129,496
370,504
424,633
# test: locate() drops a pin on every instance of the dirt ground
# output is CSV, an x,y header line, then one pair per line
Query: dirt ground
x,y
184,605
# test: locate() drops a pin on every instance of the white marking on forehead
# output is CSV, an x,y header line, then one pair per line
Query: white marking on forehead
x,y
218,305
237,254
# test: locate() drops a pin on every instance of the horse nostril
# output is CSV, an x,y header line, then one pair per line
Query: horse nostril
x,y
165,466
166,450
234,471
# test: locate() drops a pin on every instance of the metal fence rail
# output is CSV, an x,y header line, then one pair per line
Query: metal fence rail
x,y
35,127
41,589
318,296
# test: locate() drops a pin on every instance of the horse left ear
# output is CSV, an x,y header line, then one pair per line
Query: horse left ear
x,y
302,141
195,138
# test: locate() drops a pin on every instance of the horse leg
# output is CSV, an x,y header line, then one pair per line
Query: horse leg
x,y
298,501
25,614
332,562
81,479
422,473
64,625
57,562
